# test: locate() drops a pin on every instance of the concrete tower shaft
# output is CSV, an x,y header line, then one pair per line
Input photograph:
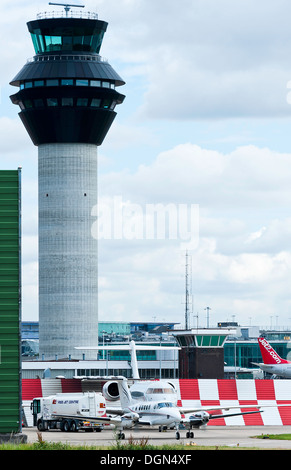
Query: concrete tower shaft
x,y
67,96
68,284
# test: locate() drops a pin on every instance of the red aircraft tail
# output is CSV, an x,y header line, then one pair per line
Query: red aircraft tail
x,y
269,355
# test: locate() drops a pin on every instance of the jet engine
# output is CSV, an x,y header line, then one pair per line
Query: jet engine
x,y
133,416
110,391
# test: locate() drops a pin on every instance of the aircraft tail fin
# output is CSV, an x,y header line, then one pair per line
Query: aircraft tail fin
x,y
269,355
134,365
124,394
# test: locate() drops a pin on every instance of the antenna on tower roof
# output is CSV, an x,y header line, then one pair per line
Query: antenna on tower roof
x,y
188,290
67,6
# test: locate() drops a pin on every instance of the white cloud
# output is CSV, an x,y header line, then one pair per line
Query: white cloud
x,y
205,59
243,260
247,177
199,59
13,136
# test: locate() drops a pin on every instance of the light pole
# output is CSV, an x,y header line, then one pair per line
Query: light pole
x,y
207,308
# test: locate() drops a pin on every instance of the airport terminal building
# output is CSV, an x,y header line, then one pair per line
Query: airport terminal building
x,y
238,350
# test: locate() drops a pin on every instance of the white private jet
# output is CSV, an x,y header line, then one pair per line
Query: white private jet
x,y
272,362
164,414
147,390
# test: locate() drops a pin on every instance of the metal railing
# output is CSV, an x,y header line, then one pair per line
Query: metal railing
x,y
71,14
62,56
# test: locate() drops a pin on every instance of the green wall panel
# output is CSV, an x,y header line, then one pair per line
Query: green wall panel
x,y
10,301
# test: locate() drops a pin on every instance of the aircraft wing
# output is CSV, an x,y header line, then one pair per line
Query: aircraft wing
x,y
217,408
226,408
114,411
261,364
99,419
226,415
120,412
229,415
142,422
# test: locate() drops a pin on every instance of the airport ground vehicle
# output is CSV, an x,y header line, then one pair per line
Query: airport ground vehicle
x,y
48,411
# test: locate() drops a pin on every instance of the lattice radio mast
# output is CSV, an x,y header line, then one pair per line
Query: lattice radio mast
x,y
188,290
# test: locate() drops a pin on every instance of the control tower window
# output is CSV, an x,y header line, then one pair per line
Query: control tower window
x,y
38,103
52,43
67,43
39,83
95,102
67,81
67,101
52,101
80,82
52,82
38,42
82,102
28,104
95,83
46,41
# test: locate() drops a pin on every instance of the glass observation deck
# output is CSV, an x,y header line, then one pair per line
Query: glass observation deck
x,y
67,92
203,338
67,34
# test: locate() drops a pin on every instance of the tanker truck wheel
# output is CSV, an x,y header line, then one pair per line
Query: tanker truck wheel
x,y
65,426
74,426
41,426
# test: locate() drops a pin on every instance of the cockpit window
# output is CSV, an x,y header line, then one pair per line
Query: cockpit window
x,y
166,405
137,394
159,390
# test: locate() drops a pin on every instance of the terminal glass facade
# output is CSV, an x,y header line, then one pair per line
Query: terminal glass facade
x,y
244,353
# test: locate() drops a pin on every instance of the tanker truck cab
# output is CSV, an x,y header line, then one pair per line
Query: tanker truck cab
x,y
36,410
50,412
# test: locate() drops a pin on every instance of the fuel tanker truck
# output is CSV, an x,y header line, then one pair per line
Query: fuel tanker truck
x,y
50,412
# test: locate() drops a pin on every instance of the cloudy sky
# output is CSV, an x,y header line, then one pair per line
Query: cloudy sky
x,y
206,124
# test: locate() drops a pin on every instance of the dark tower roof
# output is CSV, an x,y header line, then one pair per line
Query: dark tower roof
x,y
67,91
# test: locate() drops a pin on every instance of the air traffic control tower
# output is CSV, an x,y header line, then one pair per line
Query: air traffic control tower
x,y
67,96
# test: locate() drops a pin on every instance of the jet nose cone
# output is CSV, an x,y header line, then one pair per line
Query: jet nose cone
x,y
176,415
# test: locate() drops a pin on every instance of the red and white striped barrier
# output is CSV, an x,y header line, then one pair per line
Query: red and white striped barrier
x,y
204,392
241,392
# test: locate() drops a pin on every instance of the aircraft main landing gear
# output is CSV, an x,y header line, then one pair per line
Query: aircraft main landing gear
x,y
163,428
121,435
